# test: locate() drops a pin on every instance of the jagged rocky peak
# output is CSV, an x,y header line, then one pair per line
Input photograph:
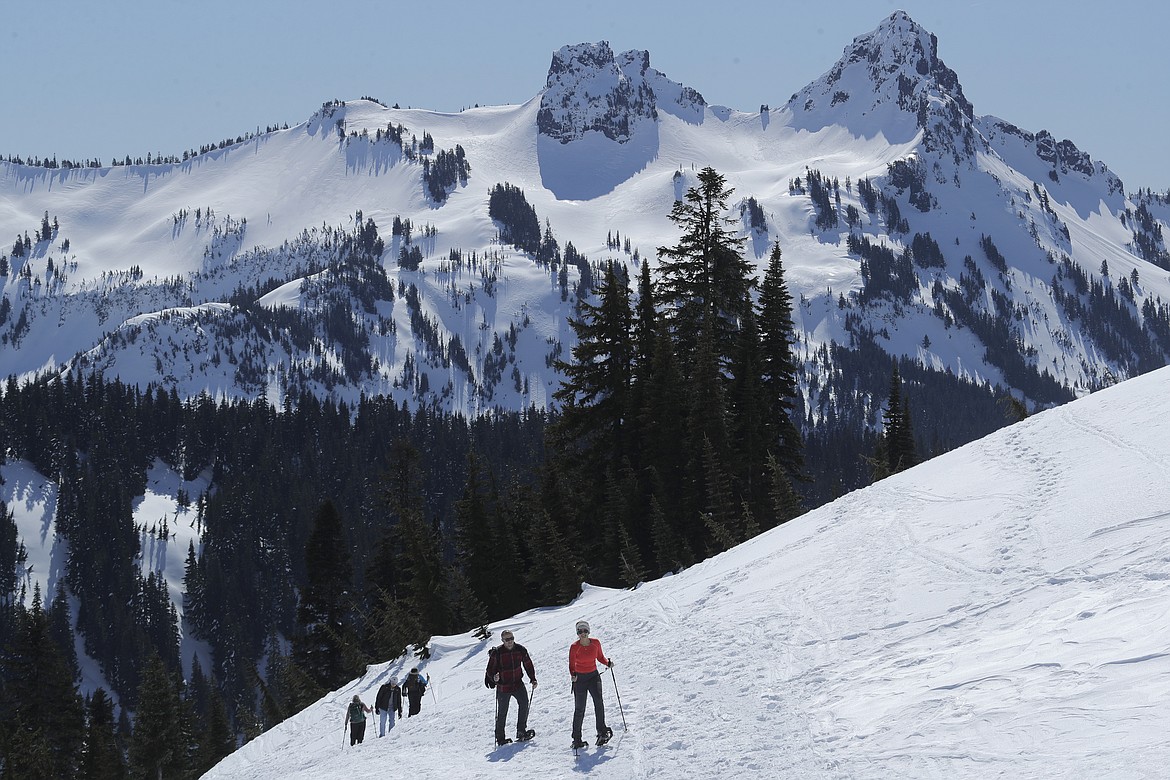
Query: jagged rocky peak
x,y
895,66
589,89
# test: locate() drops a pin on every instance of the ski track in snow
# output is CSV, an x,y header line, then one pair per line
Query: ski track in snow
x,y
999,611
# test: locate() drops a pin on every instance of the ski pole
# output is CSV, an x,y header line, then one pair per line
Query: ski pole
x,y
619,697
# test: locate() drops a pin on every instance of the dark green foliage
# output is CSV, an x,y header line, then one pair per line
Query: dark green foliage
x,y
12,556
102,757
778,367
897,441
706,282
926,252
519,225
885,273
998,261
323,613
446,170
819,191
594,394
42,721
157,748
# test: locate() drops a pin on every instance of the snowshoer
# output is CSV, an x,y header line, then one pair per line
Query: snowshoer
x,y
505,672
355,718
584,655
387,703
415,686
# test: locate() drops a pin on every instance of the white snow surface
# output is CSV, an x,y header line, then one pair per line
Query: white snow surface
x,y
999,611
136,240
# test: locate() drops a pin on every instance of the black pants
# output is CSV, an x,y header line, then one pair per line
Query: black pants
x,y
357,731
415,705
502,701
587,684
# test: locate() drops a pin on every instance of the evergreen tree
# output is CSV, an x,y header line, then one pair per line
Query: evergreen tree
x,y
706,283
101,758
422,578
42,714
475,545
898,433
215,739
324,608
779,366
594,394
747,409
157,748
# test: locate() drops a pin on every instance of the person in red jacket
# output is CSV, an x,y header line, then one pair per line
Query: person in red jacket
x,y
584,655
505,672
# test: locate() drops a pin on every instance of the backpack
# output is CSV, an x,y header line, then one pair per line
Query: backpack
x,y
356,714
487,676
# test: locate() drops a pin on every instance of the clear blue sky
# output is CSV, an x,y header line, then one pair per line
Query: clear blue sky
x,y
83,79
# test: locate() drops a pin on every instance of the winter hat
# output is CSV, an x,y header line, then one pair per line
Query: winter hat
x,y
355,698
582,625
393,680
414,670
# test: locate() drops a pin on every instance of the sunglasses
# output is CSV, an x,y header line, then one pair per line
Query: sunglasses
x,y
582,631
509,639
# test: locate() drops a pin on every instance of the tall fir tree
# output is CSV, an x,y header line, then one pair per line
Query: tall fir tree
x,y
102,757
706,283
897,428
157,747
594,394
779,366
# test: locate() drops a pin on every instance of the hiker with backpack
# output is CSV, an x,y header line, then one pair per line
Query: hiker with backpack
x,y
355,718
584,655
414,687
387,702
505,672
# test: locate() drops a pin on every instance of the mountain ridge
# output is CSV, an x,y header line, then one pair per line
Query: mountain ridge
x,y
284,200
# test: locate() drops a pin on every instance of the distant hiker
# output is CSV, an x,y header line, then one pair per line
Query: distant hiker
x,y
415,686
388,702
505,672
355,718
584,655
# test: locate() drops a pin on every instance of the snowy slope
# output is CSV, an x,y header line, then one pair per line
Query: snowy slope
x,y
1000,611
605,149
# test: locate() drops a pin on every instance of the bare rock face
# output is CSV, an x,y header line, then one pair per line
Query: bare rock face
x,y
590,90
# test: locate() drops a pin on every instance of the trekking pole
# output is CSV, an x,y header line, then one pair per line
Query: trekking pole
x,y
619,697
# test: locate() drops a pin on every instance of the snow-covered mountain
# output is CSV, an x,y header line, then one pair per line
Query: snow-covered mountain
x,y
1000,611
354,252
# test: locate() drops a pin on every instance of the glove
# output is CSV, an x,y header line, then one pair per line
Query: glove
x,y
609,664
534,683
497,677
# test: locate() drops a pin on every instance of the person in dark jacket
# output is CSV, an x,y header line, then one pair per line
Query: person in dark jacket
x,y
355,718
414,687
505,672
386,703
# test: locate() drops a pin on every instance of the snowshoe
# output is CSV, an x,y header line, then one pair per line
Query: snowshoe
x,y
579,743
501,742
604,737
527,735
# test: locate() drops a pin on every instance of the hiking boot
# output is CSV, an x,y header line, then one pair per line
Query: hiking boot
x,y
579,743
503,742
604,736
527,735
